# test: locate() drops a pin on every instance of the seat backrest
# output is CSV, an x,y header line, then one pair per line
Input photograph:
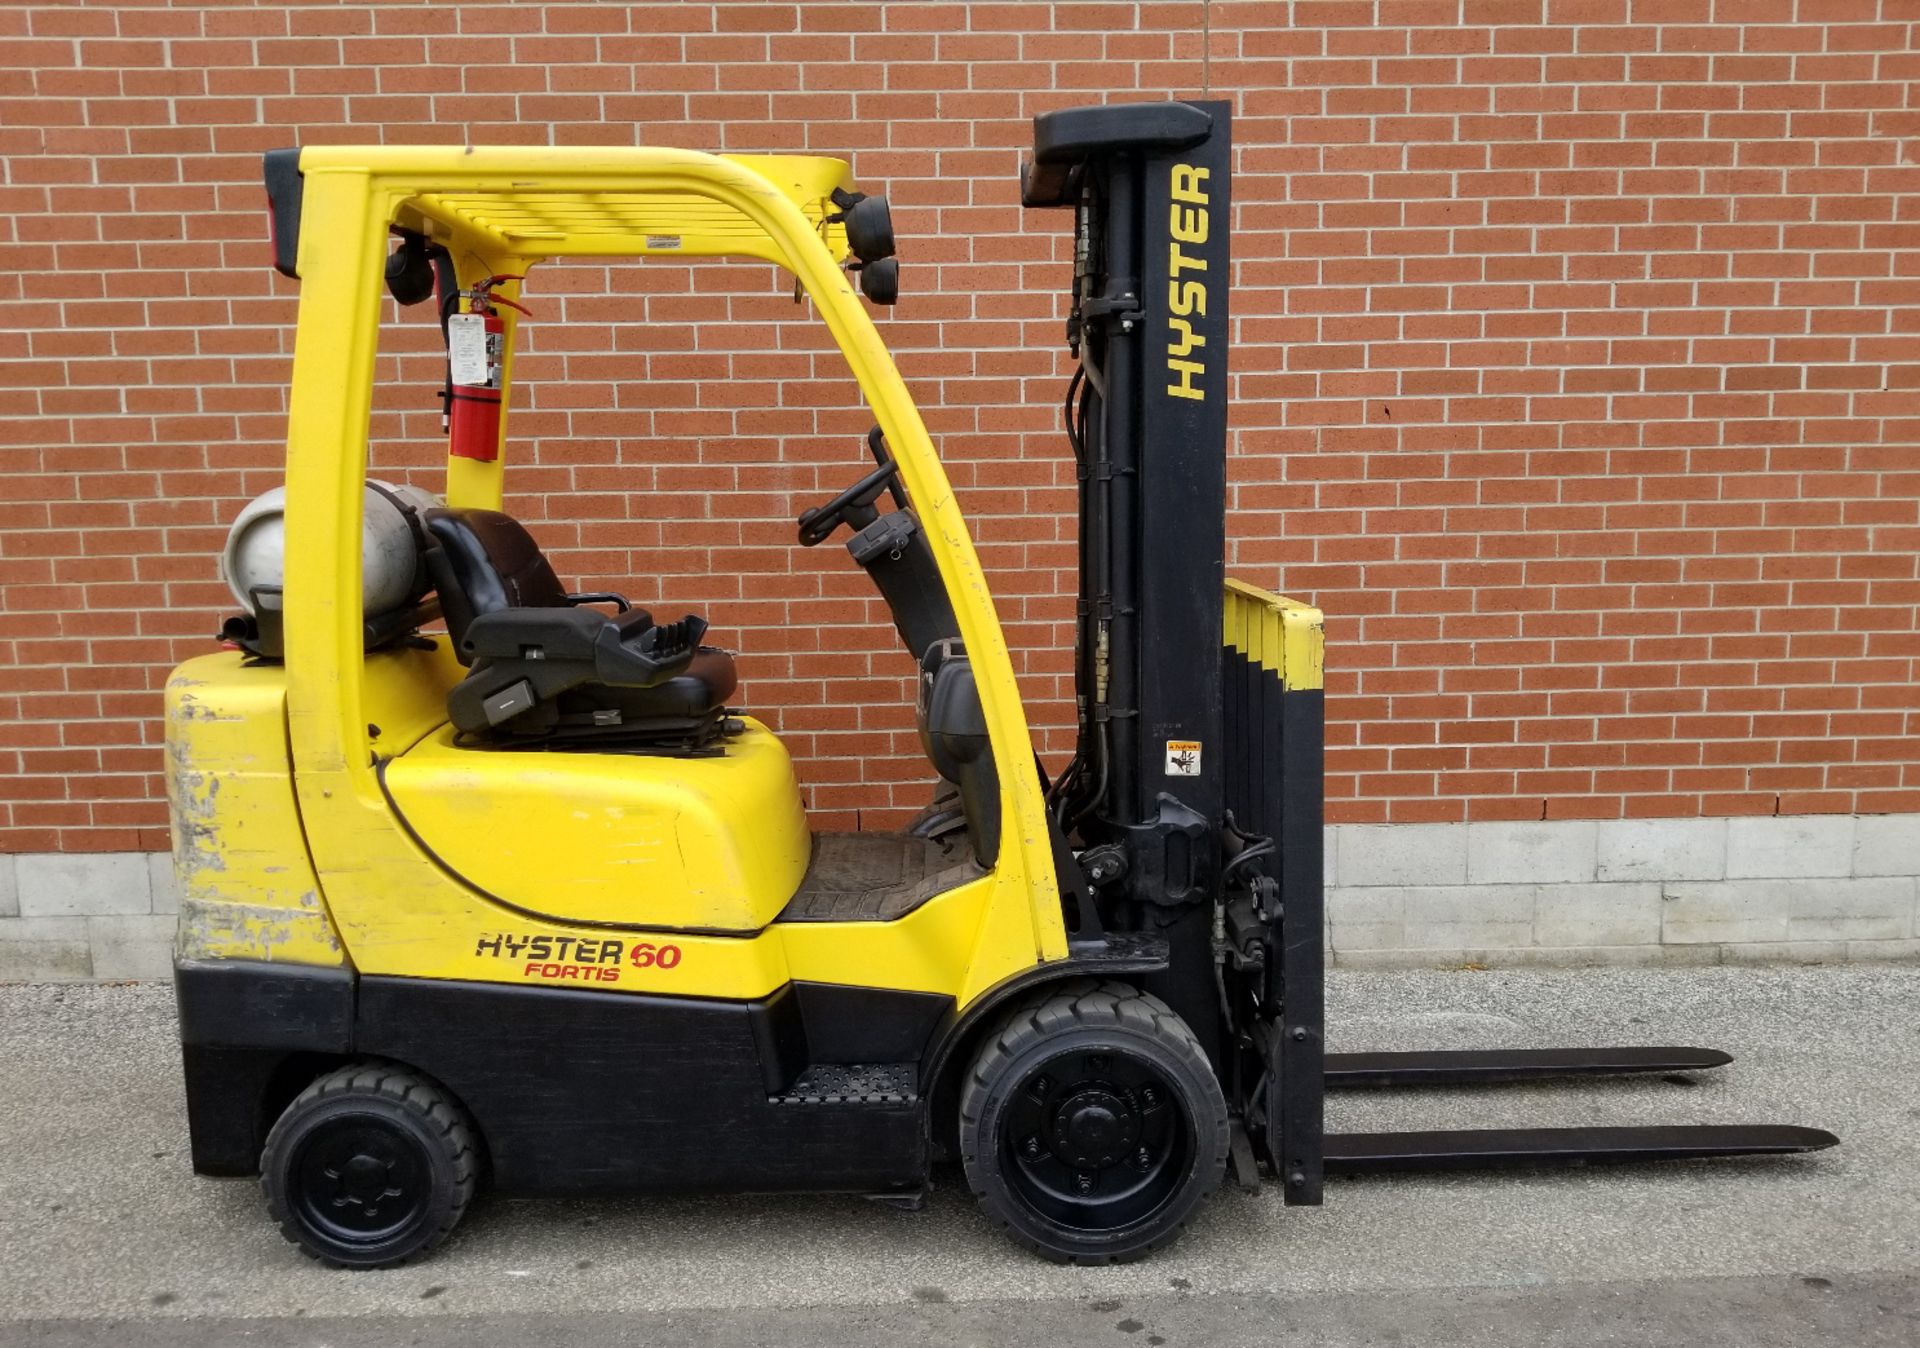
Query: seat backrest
x,y
485,561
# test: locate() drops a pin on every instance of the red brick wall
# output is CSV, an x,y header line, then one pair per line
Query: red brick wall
x,y
1578,366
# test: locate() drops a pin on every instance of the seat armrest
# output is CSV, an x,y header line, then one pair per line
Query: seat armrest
x,y
538,634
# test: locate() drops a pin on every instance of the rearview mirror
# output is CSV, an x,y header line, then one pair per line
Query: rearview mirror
x,y
880,281
409,271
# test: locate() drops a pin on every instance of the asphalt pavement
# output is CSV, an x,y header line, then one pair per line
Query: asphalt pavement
x,y
106,1237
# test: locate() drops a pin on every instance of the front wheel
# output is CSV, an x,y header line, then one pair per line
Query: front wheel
x,y
1091,1124
369,1166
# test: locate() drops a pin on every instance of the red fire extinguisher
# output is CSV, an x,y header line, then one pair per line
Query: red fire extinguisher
x,y
476,350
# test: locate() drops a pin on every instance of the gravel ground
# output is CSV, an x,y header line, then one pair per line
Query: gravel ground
x,y
102,1221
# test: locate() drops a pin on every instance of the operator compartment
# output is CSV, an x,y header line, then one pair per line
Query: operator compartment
x,y
568,761
676,814
694,843
563,753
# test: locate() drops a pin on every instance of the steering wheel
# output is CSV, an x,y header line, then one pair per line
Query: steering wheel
x,y
820,522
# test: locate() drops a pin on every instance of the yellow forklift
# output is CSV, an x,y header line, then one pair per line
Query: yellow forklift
x,y
484,878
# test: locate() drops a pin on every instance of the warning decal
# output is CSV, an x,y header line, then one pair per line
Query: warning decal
x,y
1183,758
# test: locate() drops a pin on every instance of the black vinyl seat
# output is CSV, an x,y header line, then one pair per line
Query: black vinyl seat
x,y
489,562
543,666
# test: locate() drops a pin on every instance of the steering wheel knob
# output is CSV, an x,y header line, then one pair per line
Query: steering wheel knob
x,y
810,536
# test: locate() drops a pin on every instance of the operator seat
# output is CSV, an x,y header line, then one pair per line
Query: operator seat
x,y
544,667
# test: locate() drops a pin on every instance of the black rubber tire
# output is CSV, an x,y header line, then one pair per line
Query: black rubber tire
x,y
1085,1016
426,1128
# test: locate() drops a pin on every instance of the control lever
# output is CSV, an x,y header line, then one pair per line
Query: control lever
x,y
663,650
877,446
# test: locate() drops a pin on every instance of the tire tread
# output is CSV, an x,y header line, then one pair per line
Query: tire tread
x,y
1079,1004
426,1101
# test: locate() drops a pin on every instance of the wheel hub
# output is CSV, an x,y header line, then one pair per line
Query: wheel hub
x,y
357,1180
363,1181
1094,1128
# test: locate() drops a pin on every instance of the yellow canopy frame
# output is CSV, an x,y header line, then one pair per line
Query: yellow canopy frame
x,y
502,210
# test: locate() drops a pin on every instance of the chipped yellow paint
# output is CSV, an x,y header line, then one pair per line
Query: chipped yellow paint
x,y
247,890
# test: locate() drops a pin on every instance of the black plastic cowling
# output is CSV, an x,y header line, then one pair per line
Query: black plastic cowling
x,y
1066,139
285,189
954,736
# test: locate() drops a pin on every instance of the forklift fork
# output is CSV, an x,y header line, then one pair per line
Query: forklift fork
x,y
1483,1067
1499,1148
1495,1148
1275,748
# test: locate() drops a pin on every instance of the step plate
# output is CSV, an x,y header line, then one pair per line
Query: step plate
x,y
1480,1067
876,1083
1493,1148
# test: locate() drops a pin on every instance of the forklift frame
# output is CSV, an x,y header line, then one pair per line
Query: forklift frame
x,y
1170,877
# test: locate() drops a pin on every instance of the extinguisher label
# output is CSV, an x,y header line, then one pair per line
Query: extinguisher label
x,y
467,349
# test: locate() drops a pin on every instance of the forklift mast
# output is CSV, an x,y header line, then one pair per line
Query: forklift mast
x,y
1150,194
1147,415
1195,793
1189,753
1196,788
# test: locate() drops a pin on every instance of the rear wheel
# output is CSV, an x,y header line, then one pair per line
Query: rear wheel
x,y
369,1166
1091,1124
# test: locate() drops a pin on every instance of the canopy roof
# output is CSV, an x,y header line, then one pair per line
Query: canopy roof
x,y
547,202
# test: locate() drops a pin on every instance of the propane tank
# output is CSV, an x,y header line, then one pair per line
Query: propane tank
x,y
390,566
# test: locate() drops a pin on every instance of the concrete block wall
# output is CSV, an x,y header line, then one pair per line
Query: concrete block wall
x,y
1804,887
77,916
1809,888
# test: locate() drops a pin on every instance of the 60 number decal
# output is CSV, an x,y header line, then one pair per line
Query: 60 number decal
x,y
647,955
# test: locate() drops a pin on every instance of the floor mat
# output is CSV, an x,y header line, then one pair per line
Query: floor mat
x,y
877,877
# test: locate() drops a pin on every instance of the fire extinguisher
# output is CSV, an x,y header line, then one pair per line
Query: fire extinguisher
x,y
476,351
